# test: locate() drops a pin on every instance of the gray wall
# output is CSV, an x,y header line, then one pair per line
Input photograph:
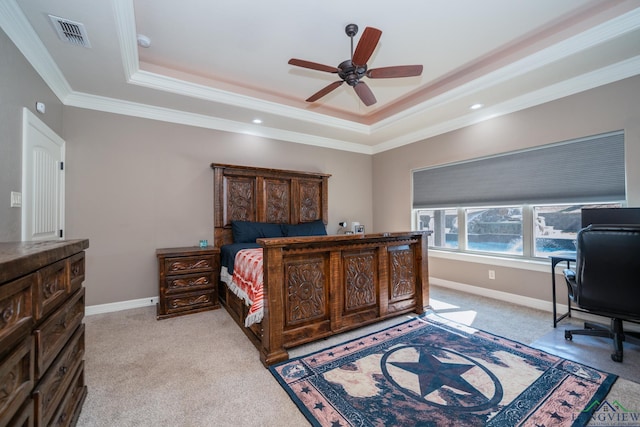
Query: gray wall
x,y
607,108
134,185
20,86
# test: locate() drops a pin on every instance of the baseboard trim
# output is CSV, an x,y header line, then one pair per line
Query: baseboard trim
x,y
119,306
499,295
534,303
475,290
526,302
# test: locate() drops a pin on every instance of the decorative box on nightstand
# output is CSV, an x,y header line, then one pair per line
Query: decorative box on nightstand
x,y
188,280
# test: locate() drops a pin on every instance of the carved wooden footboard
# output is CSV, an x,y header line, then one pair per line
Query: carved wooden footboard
x,y
316,286
320,286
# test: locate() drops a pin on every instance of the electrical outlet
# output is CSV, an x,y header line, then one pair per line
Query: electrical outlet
x,y
492,274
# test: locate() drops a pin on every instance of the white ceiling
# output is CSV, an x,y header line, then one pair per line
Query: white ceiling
x,y
220,64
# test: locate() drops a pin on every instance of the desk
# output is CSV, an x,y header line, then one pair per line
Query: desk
x,y
567,257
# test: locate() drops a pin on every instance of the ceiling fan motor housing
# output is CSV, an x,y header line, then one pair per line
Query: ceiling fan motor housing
x,y
351,73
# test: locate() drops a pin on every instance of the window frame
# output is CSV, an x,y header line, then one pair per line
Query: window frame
x,y
528,229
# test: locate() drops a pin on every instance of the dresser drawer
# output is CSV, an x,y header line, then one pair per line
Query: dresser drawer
x,y
54,333
51,389
188,264
52,288
16,315
16,380
188,282
68,412
24,417
75,268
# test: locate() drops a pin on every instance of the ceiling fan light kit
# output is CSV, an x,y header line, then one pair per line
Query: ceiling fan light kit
x,y
354,69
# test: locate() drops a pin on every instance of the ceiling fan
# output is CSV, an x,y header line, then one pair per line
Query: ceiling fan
x,y
354,69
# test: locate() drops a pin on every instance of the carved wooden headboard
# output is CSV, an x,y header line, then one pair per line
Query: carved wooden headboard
x,y
244,193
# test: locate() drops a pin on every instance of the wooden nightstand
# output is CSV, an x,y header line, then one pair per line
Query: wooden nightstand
x,y
188,280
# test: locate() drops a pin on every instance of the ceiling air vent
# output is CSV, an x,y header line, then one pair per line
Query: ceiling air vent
x,y
70,32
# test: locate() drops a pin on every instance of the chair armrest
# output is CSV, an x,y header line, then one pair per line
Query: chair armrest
x,y
570,275
570,278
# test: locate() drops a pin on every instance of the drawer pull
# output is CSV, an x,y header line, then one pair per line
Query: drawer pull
x,y
7,314
62,419
185,265
63,370
186,283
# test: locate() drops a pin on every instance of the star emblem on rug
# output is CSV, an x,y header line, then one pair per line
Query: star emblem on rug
x,y
441,377
434,374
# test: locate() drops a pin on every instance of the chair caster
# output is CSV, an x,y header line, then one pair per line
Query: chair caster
x,y
568,335
616,357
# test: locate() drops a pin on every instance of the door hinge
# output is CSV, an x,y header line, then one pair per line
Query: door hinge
x,y
61,234
61,166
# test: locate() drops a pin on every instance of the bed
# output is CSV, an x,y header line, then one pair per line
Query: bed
x,y
313,285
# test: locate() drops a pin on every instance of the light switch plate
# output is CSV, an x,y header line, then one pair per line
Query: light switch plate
x,y
16,199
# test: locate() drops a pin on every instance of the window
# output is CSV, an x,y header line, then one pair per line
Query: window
x,y
495,230
443,223
520,204
555,228
503,230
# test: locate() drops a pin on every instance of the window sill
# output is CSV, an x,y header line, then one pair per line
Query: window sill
x,y
523,264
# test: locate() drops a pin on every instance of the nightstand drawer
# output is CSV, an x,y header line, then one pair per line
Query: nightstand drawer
x,y
190,301
191,264
188,283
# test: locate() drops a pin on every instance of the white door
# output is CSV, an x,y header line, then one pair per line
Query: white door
x,y
42,180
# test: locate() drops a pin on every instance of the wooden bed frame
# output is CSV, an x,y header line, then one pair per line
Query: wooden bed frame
x,y
314,286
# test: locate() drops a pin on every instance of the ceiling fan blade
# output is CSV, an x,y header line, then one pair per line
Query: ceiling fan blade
x,y
313,65
365,94
324,91
392,72
366,45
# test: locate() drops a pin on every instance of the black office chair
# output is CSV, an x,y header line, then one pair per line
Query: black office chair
x,y
606,281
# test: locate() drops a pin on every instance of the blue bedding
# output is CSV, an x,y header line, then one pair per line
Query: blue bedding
x,y
245,234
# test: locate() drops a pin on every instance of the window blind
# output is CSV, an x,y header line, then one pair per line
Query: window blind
x,y
584,170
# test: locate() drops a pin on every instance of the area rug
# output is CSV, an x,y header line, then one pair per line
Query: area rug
x,y
429,371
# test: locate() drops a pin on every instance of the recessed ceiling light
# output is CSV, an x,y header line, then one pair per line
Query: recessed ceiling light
x,y
257,121
476,106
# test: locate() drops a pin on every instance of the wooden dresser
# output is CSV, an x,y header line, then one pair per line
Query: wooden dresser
x,y
42,304
188,280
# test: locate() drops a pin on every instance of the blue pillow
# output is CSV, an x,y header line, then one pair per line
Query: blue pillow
x,y
249,231
313,228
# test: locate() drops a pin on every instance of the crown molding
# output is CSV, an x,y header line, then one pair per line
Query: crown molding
x,y
127,108
599,34
610,74
194,90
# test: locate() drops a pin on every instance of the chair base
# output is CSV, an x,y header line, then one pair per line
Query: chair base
x,y
615,332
